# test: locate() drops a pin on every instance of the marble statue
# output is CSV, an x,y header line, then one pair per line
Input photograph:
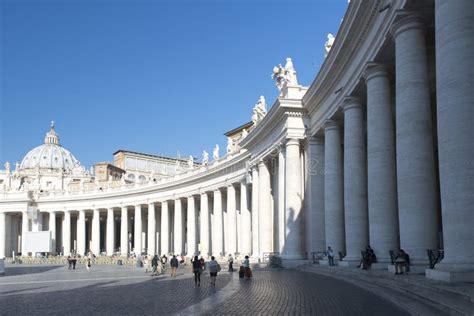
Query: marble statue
x,y
191,162
285,76
215,152
122,179
259,110
244,133
7,167
279,76
205,158
290,73
328,44
230,145
17,166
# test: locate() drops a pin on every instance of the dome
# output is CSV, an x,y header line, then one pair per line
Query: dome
x,y
50,155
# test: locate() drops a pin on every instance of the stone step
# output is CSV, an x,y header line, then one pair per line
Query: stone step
x,y
452,302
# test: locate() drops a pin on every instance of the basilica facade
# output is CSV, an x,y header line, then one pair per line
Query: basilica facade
x,y
377,150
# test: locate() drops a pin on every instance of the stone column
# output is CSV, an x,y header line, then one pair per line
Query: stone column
x,y
3,230
124,231
191,227
24,230
281,199
96,232
217,232
293,248
416,180
110,241
165,233
231,229
246,232
178,227
81,233
52,229
315,225
381,183
66,233
334,188
204,238
355,180
455,108
255,211
151,233
264,207
138,229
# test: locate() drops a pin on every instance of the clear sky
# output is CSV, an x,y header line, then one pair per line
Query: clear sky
x,y
150,76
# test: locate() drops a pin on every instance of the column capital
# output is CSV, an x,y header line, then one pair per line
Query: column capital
x,y
407,20
292,142
331,125
351,102
151,203
110,208
374,70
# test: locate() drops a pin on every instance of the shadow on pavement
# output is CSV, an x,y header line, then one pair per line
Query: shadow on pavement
x,y
20,270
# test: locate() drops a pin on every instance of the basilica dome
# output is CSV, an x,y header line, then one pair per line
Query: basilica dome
x,y
51,155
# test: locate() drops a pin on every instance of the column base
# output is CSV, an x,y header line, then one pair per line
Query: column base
x,y
293,263
414,268
451,273
349,263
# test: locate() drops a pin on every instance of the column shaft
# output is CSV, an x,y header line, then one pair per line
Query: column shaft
x,y
246,224
3,230
355,180
455,107
281,199
24,230
191,226
110,246
81,233
265,211
255,211
204,238
416,182
381,180
151,233
124,231
315,225
96,232
334,188
138,247
165,234
178,227
231,229
66,233
217,232
293,248
52,229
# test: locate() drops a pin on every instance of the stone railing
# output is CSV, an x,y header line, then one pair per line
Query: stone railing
x,y
63,260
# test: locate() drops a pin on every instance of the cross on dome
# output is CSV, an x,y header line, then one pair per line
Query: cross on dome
x,y
51,136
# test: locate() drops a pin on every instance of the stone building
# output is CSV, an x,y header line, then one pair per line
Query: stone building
x,y
377,150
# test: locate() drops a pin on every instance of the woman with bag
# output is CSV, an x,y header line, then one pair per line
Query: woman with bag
x,y
197,271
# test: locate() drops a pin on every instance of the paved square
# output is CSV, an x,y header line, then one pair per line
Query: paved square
x,y
122,290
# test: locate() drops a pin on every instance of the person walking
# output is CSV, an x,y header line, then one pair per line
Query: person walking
x,y
174,265
69,261
197,270
231,262
330,253
88,263
214,267
154,265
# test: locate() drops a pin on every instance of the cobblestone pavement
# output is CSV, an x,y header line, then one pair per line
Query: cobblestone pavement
x,y
108,290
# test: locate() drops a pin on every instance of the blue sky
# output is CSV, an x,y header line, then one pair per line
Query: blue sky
x,y
150,76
